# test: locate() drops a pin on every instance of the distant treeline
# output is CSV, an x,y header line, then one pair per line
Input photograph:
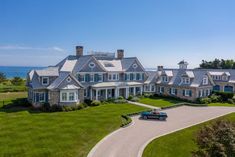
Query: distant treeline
x,y
218,64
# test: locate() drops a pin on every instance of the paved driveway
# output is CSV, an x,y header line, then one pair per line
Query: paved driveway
x,y
131,141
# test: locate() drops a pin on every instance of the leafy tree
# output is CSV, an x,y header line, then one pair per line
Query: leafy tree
x,y
216,140
2,77
218,64
17,81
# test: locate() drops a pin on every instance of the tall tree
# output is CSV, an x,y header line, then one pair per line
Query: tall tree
x,y
216,140
2,77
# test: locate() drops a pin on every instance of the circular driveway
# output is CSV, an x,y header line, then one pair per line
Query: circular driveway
x,y
131,141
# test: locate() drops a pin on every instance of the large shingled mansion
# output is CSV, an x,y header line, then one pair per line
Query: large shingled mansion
x,y
100,76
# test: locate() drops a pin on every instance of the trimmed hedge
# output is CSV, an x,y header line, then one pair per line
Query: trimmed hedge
x,y
224,95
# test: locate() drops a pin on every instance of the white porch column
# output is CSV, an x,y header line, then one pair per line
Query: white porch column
x,y
127,92
116,92
141,90
134,91
96,96
91,94
106,94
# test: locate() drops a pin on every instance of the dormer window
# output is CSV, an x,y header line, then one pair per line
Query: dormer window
x,y
224,78
185,80
205,81
45,81
164,79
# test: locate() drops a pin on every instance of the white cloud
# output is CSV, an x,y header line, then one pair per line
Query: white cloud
x,y
18,47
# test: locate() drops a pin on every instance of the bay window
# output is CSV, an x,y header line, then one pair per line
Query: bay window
x,y
68,96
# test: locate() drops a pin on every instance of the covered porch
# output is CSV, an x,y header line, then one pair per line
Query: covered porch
x,y
112,90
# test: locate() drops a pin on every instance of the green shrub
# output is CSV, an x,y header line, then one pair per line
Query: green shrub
x,y
147,95
120,101
130,97
95,103
230,101
224,95
17,81
88,102
120,97
135,99
204,100
215,98
125,120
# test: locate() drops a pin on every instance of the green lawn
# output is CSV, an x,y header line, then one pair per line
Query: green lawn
x,y
221,104
159,101
178,144
12,88
7,98
59,134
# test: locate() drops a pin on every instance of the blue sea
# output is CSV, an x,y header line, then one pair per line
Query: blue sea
x,y
12,71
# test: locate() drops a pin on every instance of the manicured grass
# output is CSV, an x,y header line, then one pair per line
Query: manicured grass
x,y
221,104
59,134
178,144
159,101
7,86
9,97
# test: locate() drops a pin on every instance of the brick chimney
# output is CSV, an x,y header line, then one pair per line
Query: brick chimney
x,y
120,53
79,51
160,68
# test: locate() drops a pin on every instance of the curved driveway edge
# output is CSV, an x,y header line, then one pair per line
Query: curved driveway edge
x,y
131,141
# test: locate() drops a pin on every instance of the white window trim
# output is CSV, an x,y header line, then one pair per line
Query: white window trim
x,y
67,97
161,91
173,91
101,77
185,80
205,81
45,84
92,77
186,92
44,96
82,77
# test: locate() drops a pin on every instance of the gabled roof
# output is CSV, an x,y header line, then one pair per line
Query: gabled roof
x,y
61,78
152,76
219,73
50,71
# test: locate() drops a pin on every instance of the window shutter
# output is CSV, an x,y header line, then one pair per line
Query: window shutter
x,y
175,91
170,89
78,77
46,94
190,93
96,77
183,92
37,97
162,89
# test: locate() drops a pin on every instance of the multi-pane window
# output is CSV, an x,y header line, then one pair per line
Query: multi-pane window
x,y
164,79
100,77
205,81
41,97
68,96
186,80
82,78
64,97
45,80
71,96
114,77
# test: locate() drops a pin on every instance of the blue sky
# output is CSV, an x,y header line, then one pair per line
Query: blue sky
x,y
158,32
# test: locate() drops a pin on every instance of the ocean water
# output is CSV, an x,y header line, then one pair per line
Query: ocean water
x,y
12,71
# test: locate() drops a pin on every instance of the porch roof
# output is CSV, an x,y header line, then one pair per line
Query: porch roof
x,y
116,84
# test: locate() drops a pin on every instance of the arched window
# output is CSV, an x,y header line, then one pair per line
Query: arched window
x,y
228,89
216,88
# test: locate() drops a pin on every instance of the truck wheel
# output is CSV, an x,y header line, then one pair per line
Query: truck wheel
x,y
145,117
